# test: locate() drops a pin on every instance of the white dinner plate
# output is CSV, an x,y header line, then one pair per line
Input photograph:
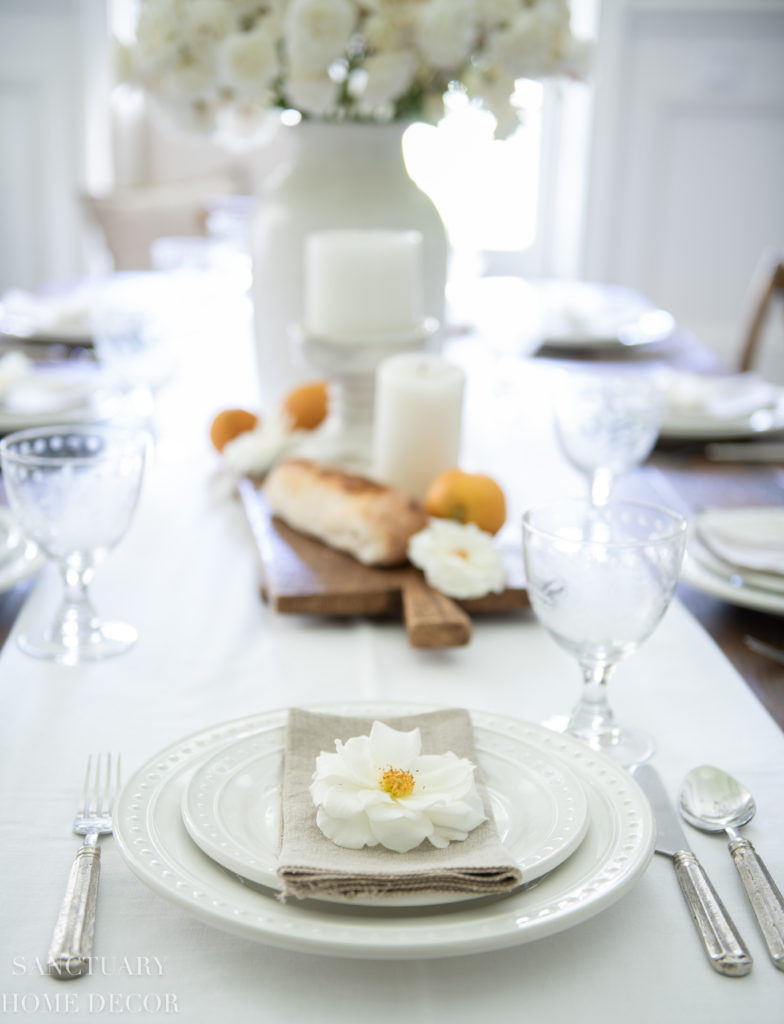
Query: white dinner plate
x,y
231,808
611,858
19,557
700,426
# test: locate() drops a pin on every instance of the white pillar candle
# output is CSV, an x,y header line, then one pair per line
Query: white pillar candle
x,y
361,284
416,435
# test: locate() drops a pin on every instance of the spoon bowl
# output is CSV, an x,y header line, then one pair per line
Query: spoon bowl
x,y
714,801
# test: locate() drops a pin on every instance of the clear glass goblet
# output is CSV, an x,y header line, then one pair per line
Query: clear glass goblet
x,y
74,490
607,423
599,580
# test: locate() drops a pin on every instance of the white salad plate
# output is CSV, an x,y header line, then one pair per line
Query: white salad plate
x,y
232,808
610,859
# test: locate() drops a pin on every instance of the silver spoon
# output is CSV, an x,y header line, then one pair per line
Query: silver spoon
x,y
713,801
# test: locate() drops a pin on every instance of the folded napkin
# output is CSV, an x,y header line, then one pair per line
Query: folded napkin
x,y
311,865
749,538
722,397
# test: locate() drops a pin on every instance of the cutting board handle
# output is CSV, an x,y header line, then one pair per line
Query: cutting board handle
x,y
431,618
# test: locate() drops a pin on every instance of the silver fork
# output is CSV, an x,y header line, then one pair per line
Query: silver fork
x,y
72,939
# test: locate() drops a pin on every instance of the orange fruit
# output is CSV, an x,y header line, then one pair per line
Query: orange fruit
x,y
467,497
306,406
230,423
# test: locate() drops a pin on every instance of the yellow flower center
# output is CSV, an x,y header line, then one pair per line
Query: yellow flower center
x,y
397,782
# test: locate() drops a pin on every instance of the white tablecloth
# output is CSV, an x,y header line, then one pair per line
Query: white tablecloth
x,y
209,651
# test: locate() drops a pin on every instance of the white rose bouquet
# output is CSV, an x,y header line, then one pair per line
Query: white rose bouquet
x,y
224,64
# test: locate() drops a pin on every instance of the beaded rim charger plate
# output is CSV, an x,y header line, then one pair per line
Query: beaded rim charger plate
x,y
611,858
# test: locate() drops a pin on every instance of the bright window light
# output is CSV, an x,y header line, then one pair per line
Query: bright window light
x,y
486,190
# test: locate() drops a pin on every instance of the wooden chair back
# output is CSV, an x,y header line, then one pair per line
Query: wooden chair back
x,y
768,281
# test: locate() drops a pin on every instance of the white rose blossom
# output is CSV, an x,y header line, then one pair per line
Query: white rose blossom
x,y
386,77
446,31
494,85
190,77
317,32
458,559
158,30
317,95
381,789
201,57
248,60
492,13
533,41
384,32
207,21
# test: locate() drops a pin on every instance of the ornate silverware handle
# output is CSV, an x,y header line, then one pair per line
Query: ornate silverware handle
x,y
723,944
766,899
72,939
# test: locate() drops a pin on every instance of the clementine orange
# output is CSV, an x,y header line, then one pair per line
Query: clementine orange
x,y
306,406
230,423
467,497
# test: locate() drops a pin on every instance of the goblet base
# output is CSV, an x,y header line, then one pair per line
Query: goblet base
x,y
106,640
626,747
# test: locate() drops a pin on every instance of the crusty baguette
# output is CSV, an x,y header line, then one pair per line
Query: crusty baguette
x,y
366,519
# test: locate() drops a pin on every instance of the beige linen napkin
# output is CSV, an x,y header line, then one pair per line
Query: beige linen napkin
x,y
312,865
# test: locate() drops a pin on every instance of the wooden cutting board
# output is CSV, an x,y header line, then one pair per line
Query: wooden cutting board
x,y
300,575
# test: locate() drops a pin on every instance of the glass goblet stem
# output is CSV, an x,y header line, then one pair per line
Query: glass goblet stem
x,y
601,485
75,621
592,718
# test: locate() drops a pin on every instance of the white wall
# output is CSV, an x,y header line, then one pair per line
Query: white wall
x,y
687,154
52,104
683,185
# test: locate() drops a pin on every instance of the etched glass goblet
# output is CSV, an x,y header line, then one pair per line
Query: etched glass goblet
x,y
599,580
74,490
607,423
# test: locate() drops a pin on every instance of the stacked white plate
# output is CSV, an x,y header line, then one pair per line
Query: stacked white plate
x,y
199,824
50,393
30,318
738,554
717,406
582,315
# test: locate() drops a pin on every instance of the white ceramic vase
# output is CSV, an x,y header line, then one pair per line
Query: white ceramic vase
x,y
338,176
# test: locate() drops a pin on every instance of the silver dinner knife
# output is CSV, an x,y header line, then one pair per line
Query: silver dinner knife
x,y
725,948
